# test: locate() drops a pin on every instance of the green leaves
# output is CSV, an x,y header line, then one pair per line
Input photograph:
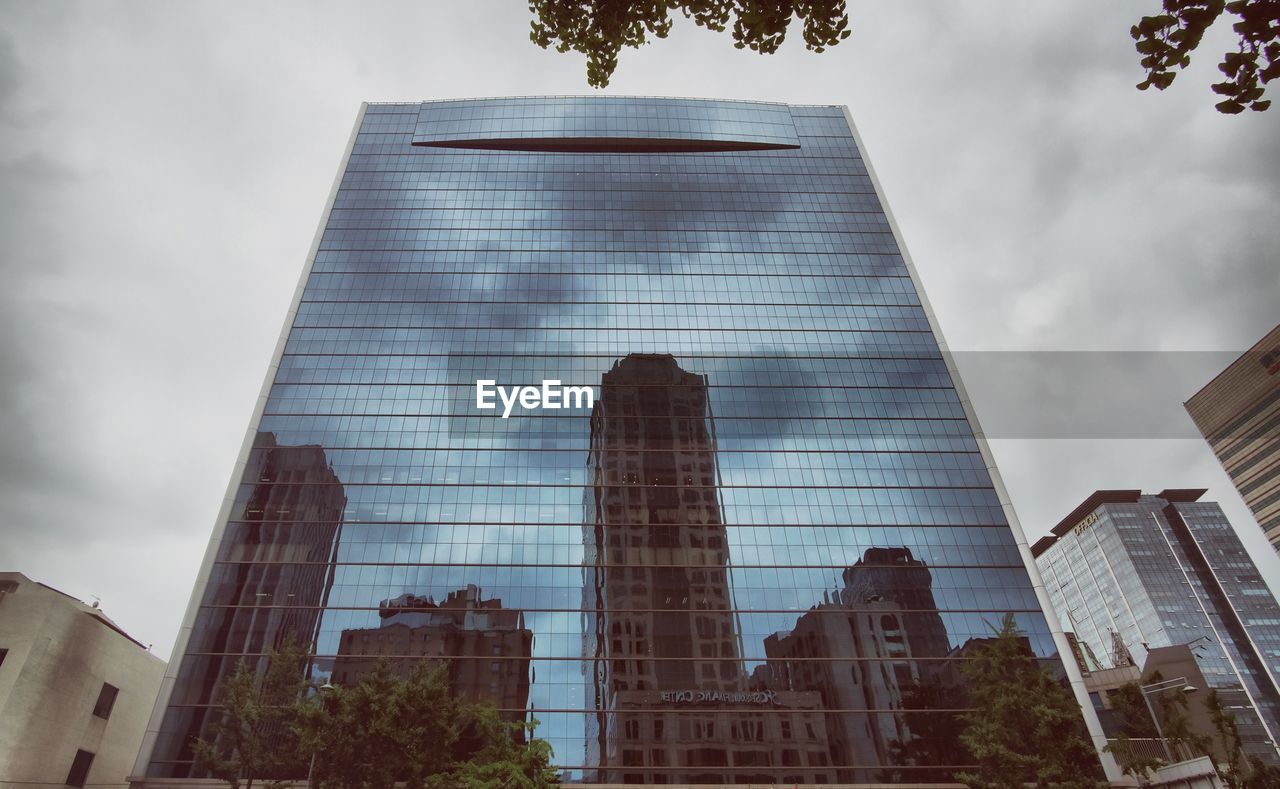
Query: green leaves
x,y
388,729
1024,727
383,730
600,29
1166,40
254,735
1133,714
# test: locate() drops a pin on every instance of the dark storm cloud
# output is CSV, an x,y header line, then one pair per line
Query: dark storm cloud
x,y
783,390
162,168
34,455
1050,206
1071,201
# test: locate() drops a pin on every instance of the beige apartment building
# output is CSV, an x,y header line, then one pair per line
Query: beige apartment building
x,y
75,690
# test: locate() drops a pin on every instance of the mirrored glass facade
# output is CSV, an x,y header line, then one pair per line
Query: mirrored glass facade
x,y
758,555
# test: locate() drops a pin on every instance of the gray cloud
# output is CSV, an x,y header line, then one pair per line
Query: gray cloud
x,y
163,166
34,457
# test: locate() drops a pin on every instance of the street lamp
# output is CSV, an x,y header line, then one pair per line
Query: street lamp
x,y
323,690
1159,687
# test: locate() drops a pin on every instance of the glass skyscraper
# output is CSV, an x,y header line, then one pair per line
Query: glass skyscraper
x,y
1129,573
755,545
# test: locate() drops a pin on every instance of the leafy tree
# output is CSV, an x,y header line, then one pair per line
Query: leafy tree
x,y
1134,717
1238,772
381,730
1261,776
1135,722
600,29
931,735
1175,721
385,730
1224,723
1166,40
1132,760
254,736
493,754
1025,727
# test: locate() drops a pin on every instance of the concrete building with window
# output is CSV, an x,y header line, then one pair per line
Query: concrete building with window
x,y
75,690
1131,573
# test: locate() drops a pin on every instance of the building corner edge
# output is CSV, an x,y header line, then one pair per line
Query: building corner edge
x,y
1092,723
151,735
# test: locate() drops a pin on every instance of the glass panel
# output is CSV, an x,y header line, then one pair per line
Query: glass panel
x,y
759,554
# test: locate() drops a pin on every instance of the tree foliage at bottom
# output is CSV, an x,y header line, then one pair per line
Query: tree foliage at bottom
x,y
382,731
255,737
1237,770
386,730
1024,727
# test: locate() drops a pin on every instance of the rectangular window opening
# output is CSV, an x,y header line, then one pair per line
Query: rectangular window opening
x,y
106,700
80,769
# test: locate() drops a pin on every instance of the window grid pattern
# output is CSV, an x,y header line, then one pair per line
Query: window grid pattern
x,y
764,553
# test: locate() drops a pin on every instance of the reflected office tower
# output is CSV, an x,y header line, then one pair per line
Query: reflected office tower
x,y
895,576
487,647
683,259
862,650
656,590
667,681
273,576
656,551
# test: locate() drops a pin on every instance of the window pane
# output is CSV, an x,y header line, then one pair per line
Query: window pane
x,y
79,769
106,700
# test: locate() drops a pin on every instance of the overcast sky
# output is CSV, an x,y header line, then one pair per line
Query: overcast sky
x,y
163,167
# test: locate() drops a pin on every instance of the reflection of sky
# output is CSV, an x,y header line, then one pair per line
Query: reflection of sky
x,y
603,117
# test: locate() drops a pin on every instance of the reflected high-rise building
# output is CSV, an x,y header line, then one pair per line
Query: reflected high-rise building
x,y
862,650
273,576
896,577
662,646
656,550
487,647
775,410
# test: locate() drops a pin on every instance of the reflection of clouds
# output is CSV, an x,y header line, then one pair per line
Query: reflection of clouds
x,y
779,387
567,118
787,385
500,298
775,385
619,295
843,544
